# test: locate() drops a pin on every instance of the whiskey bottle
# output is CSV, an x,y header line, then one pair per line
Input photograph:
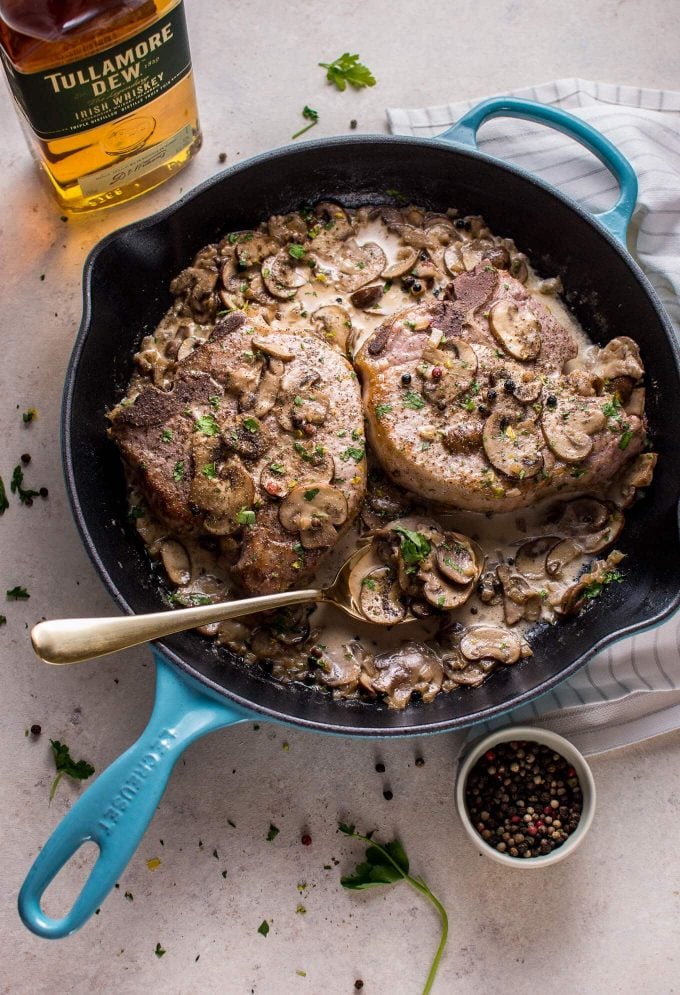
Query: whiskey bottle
x,y
105,93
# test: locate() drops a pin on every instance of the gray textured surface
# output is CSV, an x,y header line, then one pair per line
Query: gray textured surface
x,y
604,921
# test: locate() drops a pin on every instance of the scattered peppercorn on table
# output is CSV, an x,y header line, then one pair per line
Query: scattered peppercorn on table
x,y
237,885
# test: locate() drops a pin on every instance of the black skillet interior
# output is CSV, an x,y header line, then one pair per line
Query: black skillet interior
x,y
126,293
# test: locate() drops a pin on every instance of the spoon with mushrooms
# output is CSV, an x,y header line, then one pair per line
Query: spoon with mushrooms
x,y
397,576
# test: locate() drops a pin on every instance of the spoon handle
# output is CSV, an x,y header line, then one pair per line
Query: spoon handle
x,y
72,640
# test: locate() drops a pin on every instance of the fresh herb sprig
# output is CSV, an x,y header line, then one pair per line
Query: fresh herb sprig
x,y
24,494
347,69
310,115
388,864
65,764
414,547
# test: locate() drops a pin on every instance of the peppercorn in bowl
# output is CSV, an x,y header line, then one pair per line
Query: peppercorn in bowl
x,y
525,796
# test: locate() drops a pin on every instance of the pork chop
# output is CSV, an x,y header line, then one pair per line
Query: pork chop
x,y
261,440
469,403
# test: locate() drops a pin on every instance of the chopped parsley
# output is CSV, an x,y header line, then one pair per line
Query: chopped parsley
x,y
209,471
246,516
214,401
4,503
29,415
65,764
310,115
277,468
381,410
315,456
297,401
189,599
273,832
311,494
612,407
166,435
251,424
296,251
413,401
414,547
3,620
356,453
178,471
207,425
626,436
595,588
159,951
369,583
25,495
17,593
263,928
347,69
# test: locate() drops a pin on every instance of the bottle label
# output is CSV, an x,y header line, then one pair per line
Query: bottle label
x,y
106,86
134,167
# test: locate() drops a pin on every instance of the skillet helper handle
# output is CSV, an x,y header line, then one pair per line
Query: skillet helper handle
x,y
73,640
115,811
617,219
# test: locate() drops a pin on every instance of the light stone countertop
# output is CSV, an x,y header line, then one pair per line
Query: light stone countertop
x,y
606,920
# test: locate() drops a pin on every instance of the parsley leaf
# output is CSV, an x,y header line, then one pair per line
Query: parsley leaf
x,y
166,435
273,832
190,599
209,471
17,594
178,471
4,503
310,115
25,495
595,588
414,547
626,436
311,494
413,401
381,410
347,69
159,951
29,415
251,424
207,425
65,764
296,251
387,863
246,516
263,928
3,620
356,453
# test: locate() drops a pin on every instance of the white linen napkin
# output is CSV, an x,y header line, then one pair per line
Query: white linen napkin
x,y
631,691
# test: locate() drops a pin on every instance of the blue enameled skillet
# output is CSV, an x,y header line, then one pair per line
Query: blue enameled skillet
x,y
126,293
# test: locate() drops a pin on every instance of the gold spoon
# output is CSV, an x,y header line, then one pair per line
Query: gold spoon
x,y
73,640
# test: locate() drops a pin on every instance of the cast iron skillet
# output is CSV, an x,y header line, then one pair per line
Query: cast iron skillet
x,y
126,293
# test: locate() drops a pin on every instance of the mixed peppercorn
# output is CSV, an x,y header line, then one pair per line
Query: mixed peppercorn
x,y
523,798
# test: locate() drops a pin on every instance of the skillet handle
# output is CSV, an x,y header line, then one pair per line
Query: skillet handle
x,y
617,218
116,810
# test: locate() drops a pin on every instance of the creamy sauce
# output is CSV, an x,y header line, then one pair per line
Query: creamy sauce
x,y
499,536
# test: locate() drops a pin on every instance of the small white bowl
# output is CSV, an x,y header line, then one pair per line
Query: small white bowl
x,y
559,745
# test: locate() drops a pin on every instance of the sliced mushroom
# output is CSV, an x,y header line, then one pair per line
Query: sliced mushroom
x,y
520,599
491,642
593,523
282,276
530,560
335,219
568,428
519,268
453,258
272,347
246,436
334,324
287,227
413,667
512,445
222,496
380,597
252,247
516,328
574,596
638,473
561,555
367,297
441,593
619,358
285,469
176,561
404,262
268,389
459,559
359,265
314,511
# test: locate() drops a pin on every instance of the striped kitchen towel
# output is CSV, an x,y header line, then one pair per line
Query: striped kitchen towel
x,y
631,691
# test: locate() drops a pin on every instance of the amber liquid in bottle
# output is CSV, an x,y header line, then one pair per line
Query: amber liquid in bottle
x,y
105,92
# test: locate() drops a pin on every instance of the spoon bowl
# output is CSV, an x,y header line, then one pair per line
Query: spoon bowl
x,y
74,640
